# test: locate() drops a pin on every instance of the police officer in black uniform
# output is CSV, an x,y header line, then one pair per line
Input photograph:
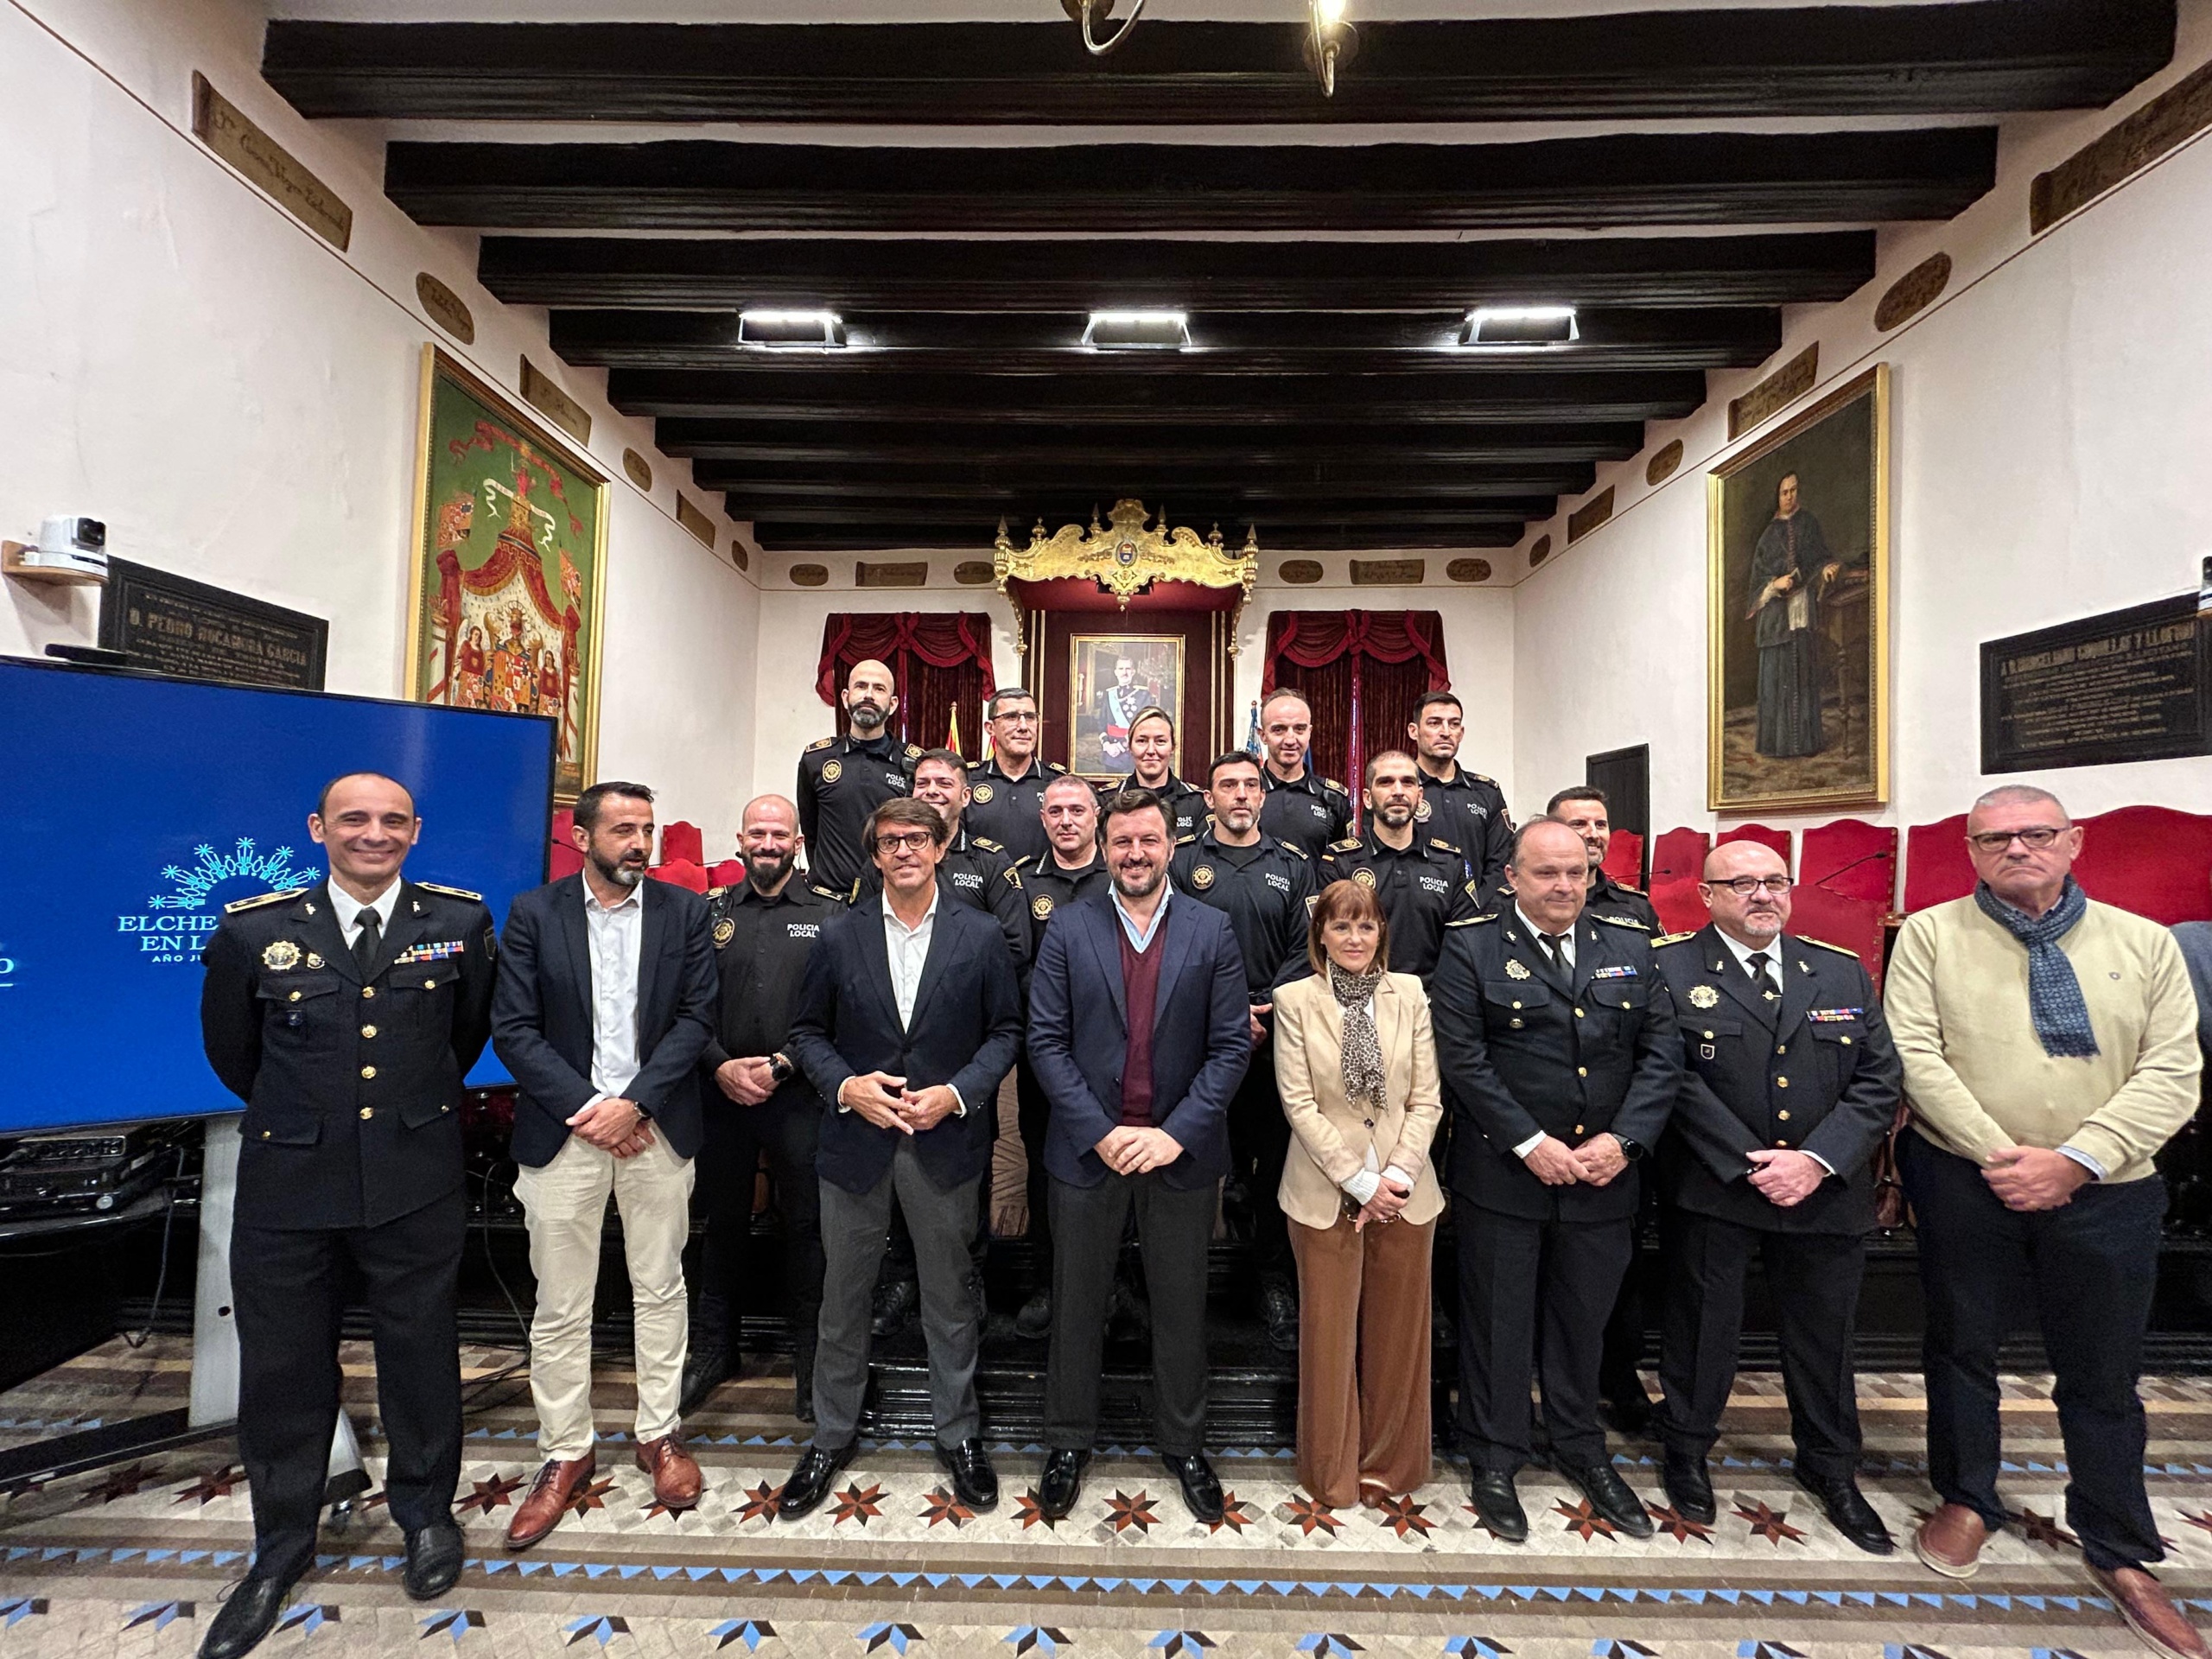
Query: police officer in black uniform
x,y
842,779
1789,1085
1558,1056
1265,886
1006,793
1464,808
1583,809
345,1017
754,1100
1421,878
1152,751
976,869
1302,807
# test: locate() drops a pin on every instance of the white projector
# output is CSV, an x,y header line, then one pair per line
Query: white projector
x,y
69,540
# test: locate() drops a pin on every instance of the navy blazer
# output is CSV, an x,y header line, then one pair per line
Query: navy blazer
x,y
965,1031
1079,1036
541,1013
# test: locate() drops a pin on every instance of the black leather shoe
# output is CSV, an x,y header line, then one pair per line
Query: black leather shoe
x,y
1849,1512
1061,1483
1034,1322
895,1305
705,1369
974,1483
1497,1506
433,1561
250,1614
1609,1496
1201,1490
1278,1312
809,1482
1689,1488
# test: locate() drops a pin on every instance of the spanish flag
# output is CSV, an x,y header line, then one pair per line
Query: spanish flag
x,y
952,731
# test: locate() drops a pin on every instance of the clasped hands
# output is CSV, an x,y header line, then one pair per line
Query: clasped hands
x,y
746,1081
1596,1161
886,1102
1389,1199
2033,1177
1131,1150
614,1125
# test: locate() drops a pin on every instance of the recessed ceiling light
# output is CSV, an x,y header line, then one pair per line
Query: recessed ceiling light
x,y
791,331
1519,328
1138,331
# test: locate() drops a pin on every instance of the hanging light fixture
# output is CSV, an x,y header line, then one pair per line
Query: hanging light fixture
x,y
1330,43
1082,11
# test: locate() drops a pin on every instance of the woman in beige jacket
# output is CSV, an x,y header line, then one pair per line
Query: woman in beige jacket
x,y
1355,1065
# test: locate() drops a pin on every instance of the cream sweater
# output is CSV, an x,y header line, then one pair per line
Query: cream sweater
x,y
1975,1076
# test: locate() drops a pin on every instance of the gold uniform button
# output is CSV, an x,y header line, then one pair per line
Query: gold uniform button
x,y
1516,1005
295,997
1785,1049
1577,1013
264,1134
1708,1033
368,1031
429,984
368,990
1782,1145
1581,1071
1577,1128
368,1111
1846,1042
1784,1116
1782,1083
368,1070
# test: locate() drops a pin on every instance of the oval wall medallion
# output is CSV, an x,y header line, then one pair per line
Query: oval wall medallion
x,y
445,307
639,474
1913,292
1539,552
1662,466
737,552
810,576
1299,571
1468,569
973,573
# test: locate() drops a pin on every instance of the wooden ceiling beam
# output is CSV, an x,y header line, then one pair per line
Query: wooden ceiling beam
x,y
1199,510
864,481
974,538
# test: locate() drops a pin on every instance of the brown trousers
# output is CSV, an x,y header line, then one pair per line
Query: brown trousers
x,y
1363,1359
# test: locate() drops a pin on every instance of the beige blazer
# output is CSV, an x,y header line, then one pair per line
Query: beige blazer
x,y
1330,1137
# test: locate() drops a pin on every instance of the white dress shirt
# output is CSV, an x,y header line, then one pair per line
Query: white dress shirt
x,y
908,949
1141,938
349,910
617,933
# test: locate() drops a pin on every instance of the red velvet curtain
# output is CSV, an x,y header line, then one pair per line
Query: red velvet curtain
x,y
940,660
1361,672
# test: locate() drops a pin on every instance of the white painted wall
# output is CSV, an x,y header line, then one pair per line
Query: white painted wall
x,y
239,401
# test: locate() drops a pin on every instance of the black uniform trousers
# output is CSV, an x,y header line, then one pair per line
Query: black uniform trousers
x,y
1620,1379
1534,1296
1259,1142
2090,1266
1813,1279
729,1156
1036,1116
290,1287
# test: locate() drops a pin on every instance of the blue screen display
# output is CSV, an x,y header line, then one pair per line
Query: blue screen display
x,y
135,808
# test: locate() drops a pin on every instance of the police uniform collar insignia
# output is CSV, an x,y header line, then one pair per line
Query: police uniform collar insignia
x,y
1704,996
281,956
1515,970
418,905
314,960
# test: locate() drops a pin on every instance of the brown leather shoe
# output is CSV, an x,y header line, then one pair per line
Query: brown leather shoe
x,y
675,1477
2158,1623
550,1493
1950,1541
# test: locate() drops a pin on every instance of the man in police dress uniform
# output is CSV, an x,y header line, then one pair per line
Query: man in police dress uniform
x,y
1006,793
842,779
1301,806
1421,878
345,1016
1791,1081
1265,886
1152,746
1464,808
1558,1055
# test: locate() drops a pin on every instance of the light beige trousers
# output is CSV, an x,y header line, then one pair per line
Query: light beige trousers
x,y
565,1206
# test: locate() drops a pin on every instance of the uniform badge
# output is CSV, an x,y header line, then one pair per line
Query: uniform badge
x,y
1617,970
1365,877
1833,1016
1202,877
280,956
1515,970
725,930
314,960
1704,996
984,793
832,771
1041,907
1421,813
1704,1050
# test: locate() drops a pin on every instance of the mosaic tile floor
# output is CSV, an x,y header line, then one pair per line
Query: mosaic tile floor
x,y
133,1561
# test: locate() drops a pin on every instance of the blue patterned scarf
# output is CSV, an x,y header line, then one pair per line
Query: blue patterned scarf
x,y
2054,994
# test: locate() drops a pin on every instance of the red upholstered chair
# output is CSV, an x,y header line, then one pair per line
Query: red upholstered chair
x,y
1677,862
1936,866
727,873
680,873
1624,857
1819,914
680,842
1851,858
564,859
1776,839
2151,860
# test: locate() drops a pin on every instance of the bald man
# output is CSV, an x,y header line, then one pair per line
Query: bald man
x,y
1789,1082
1298,805
753,1099
842,779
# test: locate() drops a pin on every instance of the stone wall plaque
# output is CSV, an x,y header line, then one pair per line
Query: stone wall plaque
x,y
2176,114
1913,292
2129,685
915,574
1785,386
1300,572
224,128
1591,514
172,625
973,573
1661,467
810,575
693,517
1539,552
445,307
637,470
1468,569
539,392
1389,573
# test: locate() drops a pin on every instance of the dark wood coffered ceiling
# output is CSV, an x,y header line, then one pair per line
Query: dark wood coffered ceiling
x,y
964,194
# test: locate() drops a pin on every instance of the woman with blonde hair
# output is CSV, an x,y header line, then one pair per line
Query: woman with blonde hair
x,y
1355,1065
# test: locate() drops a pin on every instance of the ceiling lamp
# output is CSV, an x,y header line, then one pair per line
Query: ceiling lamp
x,y
1084,10
1138,331
791,331
1330,43
1519,328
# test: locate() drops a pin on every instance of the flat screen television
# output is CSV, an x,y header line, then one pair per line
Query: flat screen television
x,y
135,807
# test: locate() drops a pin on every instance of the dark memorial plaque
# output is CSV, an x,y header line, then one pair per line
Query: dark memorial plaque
x,y
172,625
2129,685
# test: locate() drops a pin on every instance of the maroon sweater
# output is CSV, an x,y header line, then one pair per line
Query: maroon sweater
x,y
1139,990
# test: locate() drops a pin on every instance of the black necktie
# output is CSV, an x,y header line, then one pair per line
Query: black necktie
x,y
1758,964
365,943
1555,949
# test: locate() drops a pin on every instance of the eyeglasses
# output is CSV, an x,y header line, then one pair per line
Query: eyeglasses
x,y
912,841
1745,886
1996,841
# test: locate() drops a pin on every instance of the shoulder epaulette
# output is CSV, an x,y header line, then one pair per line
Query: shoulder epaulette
x,y
820,743
1331,783
1480,779
259,900
1185,840
977,765
451,893
1672,938
1349,844
913,751
1472,921
1623,921
1624,887
1054,765
854,897
1841,950
986,843
1439,842
821,891
1292,847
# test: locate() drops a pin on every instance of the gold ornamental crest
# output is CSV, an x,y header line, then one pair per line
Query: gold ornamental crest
x,y
1041,907
725,930
982,793
282,955
1515,970
1365,877
1202,877
1704,996
832,771
1125,558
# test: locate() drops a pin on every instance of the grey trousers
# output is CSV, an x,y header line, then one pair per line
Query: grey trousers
x,y
854,1226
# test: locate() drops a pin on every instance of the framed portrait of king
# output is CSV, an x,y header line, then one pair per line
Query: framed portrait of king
x,y
1797,578
509,567
1112,679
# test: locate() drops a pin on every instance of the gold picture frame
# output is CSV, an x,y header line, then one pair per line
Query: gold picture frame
x,y
507,579
1798,595
1100,700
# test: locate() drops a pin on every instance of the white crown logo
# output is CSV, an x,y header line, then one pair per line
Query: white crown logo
x,y
272,871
